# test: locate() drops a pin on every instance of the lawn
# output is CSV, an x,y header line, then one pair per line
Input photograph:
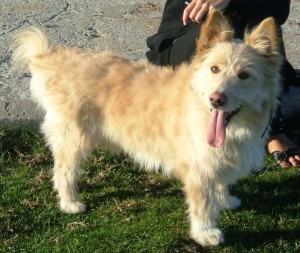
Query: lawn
x,y
131,210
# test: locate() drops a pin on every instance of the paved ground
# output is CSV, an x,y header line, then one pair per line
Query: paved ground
x,y
119,25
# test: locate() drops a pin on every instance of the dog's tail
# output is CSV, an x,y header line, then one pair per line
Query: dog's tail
x,y
27,45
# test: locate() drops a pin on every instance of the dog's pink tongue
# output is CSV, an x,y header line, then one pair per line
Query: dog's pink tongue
x,y
216,131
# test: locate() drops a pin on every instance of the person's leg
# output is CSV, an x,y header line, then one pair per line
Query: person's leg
x,y
285,151
183,48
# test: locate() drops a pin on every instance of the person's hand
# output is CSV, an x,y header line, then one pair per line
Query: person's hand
x,y
196,9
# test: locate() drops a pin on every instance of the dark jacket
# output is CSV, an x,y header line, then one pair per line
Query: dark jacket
x,y
241,14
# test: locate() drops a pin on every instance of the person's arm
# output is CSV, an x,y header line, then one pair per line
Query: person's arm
x,y
197,9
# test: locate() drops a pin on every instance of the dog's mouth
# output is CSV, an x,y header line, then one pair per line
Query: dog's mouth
x,y
217,127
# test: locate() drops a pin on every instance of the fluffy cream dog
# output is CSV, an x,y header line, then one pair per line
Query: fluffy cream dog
x,y
205,122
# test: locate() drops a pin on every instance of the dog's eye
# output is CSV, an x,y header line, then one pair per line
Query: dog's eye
x,y
243,75
215,69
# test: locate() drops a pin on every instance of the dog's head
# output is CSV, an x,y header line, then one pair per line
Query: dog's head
x,y
235,77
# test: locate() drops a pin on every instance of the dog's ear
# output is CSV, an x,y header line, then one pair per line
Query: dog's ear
x,y
264,38
215,29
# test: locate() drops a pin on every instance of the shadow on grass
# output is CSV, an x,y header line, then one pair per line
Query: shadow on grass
x,y
266,197
251,240
278,200
161,190
262,196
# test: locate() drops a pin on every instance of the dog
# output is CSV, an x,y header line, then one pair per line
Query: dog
x,y
205,122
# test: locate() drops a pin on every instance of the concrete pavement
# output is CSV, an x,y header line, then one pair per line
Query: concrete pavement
x,y
118,25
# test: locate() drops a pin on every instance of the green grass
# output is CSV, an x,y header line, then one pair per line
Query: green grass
x,y
131,210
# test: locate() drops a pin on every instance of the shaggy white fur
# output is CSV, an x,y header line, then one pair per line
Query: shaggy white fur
x,y
202,122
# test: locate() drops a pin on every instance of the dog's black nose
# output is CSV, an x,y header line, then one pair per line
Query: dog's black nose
x,y
217,99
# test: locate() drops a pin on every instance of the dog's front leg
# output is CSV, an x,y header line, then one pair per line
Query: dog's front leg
x,y
226,201
203,212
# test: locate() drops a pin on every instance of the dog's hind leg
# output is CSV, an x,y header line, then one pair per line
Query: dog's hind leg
x,y
70,147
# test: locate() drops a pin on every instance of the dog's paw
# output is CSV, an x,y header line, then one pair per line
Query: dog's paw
x,y
209,237
233,202
72,207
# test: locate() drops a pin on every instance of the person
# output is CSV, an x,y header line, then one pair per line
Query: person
x,y
175,43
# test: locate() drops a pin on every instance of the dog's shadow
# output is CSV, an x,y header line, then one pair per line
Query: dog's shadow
x,y
137,190
277,200
276,206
